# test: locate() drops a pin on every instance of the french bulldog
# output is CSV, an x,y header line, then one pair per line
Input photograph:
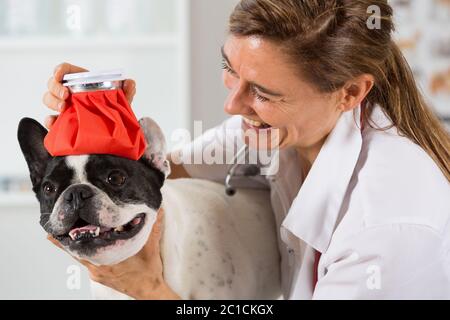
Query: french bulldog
x,y
101,208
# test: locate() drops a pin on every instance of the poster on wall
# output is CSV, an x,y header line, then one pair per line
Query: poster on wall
x,y
422,32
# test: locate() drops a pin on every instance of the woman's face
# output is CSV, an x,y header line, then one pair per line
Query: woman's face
x,y
272,98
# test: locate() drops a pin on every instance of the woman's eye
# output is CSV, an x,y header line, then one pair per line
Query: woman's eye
x,y
257,95
116,178
252,89
48,188
227,68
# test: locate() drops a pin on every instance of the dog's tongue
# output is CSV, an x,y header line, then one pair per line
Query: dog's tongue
x,y
104,229
93,230
90,228
85,228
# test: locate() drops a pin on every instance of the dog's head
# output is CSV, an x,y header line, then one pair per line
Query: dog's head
x,y
101,208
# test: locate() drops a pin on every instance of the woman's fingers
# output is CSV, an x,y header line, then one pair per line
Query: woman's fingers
x,y
53,102
54,241
49,121
96,273
57,93
155,235
102,274
87,264
157,228
152,245
129,88
65,68
57,89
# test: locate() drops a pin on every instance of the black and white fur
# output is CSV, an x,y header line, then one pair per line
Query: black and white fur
x,y
213,246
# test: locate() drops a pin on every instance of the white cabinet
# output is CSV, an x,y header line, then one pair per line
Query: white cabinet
x,y
147,38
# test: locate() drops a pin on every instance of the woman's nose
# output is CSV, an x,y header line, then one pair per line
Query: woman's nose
x,y
237,102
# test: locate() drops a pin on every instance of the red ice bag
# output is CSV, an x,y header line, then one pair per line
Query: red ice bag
x,y
97,120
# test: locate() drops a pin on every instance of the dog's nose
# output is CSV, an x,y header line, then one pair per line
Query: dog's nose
x,y
76,196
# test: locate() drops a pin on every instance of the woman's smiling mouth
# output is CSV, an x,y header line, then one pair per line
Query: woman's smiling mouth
x,y
260,135
254,124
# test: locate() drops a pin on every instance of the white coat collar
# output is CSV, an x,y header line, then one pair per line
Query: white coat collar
x,y
314,212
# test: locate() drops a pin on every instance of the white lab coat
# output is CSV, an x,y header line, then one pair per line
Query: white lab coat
x,y
374,204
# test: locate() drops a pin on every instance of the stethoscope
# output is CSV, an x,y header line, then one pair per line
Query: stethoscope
x,y
250,171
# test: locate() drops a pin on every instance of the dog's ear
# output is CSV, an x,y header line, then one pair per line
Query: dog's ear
x,y
31,136
155,152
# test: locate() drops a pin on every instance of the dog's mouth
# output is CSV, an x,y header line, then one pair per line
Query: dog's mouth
x,y
82,232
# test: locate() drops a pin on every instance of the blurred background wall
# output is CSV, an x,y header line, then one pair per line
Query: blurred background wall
x,y
172,49
423,35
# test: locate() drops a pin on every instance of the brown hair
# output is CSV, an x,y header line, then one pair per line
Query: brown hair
x,y
331,43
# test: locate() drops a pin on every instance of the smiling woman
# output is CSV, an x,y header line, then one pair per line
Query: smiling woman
x,y
271,94
319,62
352,130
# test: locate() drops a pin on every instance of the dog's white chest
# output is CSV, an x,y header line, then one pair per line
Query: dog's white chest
x,y
219,247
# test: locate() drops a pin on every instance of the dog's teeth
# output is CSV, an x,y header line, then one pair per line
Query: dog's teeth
x,y
119,229
97,232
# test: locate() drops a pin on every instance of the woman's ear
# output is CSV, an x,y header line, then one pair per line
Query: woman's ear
x,y
354,92
155,153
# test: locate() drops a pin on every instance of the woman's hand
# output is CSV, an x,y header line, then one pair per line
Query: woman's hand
x,y
140,276
57,94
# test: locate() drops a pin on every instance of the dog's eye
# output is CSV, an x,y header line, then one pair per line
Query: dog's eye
x,y
48,188
116,178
